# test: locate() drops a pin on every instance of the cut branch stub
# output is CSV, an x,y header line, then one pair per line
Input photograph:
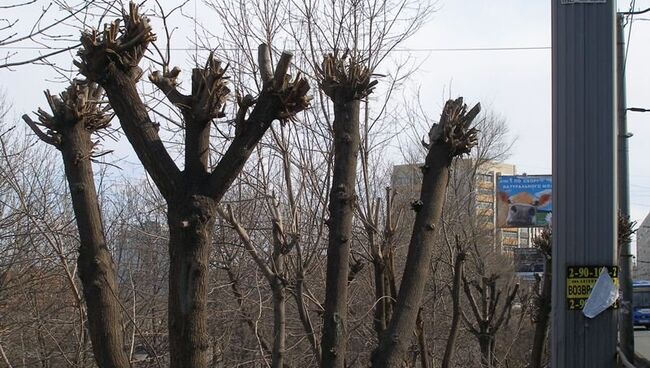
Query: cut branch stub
x,y
166,82
293,96
78,104
345,75
209,90
454,129
116,47
291,92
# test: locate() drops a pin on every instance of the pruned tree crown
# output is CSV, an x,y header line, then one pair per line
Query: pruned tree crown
x,y
117,46
209,89
345,74
78,104
454,129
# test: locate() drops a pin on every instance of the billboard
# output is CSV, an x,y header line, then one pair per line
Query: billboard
x,y
524,201
528,260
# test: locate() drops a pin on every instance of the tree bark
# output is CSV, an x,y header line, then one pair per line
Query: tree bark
x,y
96,268
341,210
141,132
303,313
279,325
455,317
278,288
485,343
379,322
451,137
74,117
190,221
542,315
422,342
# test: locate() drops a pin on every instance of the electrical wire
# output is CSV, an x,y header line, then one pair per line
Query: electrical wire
x,y
629,34
450,49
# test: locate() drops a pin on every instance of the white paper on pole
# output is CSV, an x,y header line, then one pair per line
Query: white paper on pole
x,y
602,296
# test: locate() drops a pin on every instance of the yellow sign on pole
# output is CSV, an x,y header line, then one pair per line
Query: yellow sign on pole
x,y
579,282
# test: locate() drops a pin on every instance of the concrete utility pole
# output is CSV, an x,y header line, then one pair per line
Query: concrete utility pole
x,y
626,324
584,173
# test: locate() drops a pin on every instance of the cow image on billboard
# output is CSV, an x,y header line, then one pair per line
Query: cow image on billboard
x,y
524,201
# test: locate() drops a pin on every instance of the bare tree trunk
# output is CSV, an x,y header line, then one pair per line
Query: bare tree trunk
x,y
341,209
75,116
381,255
190,241
345,82
451,137
303,313
485,343
455,316
422,342
380,292
96,268
542,316
278,287
279,325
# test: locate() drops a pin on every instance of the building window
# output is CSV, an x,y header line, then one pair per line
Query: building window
x,y
507,234
487,178
484,205
483,218
487,191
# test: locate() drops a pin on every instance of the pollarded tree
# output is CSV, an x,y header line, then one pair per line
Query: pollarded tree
x,y
110,58
76,115
452,136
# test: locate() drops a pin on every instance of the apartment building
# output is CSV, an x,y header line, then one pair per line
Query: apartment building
x,y
472,189
642,271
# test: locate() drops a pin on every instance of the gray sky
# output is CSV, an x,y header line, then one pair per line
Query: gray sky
x,y
514,84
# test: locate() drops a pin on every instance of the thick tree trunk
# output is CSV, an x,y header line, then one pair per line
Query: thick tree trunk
x,y
191,221
96,268
451,137
542,315
341,210
455,317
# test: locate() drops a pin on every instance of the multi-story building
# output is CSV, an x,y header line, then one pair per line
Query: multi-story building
x,y
472,189
642,271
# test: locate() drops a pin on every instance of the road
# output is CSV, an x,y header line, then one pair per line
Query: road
x,y
642,342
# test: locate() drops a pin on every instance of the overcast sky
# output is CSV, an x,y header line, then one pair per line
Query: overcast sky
x,y
501,57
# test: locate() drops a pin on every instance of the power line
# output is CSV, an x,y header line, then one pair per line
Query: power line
x,y
451,49
629,34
